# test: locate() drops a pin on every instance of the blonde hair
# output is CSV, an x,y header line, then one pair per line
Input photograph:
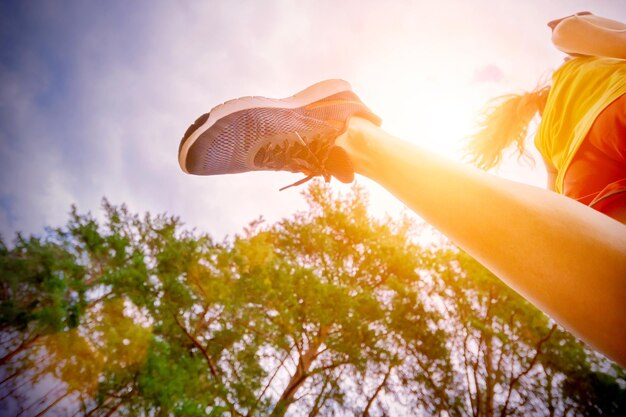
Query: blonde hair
x,y
505,122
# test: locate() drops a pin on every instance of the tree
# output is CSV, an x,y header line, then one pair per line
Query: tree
x,y
329,312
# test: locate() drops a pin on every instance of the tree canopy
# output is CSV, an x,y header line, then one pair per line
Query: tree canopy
x,y
329,312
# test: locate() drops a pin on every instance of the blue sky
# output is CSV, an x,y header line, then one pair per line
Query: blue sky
x,y
94,96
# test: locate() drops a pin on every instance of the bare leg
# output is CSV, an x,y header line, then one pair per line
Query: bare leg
x,y
567,259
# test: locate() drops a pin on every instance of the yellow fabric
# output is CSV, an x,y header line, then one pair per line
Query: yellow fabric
x,y
581,89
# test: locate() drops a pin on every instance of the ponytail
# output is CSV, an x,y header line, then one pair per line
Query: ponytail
x,y
504,123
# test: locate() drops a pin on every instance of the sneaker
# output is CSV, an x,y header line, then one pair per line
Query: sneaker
x,y
295,134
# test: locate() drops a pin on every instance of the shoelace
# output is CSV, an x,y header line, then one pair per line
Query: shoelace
x,y
295,156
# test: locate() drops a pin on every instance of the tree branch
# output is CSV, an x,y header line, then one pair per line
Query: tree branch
x,y
55,402
527,370
282,362
466,368
23,346
197,344
320,400
366,412
301,372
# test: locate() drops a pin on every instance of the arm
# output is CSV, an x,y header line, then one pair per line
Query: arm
x,y
552,174
586,34
564,257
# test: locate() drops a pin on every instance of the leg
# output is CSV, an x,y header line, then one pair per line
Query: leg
x,y
566,258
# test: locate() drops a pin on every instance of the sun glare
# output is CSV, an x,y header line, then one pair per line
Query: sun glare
x,y
425,106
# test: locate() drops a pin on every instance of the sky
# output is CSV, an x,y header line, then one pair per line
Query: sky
x,y
95,96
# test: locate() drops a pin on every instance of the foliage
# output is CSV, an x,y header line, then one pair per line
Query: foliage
x,y
330,312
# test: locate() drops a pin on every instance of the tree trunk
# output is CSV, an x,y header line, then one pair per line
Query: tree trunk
x,y
301,373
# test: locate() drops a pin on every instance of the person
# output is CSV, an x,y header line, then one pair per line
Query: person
x,y
563,256
582,132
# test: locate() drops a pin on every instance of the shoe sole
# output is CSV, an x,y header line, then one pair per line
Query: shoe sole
x,y
307,96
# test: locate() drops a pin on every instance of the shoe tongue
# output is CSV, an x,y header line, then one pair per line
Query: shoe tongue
x,y
339,165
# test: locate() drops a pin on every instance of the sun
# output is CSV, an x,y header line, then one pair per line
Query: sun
x,y
431,113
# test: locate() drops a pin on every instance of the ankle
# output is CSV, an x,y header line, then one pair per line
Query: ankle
x,y
359,140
